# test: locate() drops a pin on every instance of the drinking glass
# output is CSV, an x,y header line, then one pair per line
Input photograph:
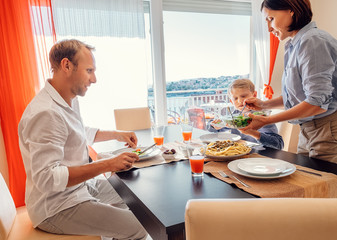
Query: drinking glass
x,y
186,129
196,155
158,134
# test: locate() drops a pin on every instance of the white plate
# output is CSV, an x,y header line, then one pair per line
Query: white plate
x,y
220,136
262,166
226,157
233,166
148,154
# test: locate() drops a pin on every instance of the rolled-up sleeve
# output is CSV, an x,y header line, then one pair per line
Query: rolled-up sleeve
x,y
317,67
91,134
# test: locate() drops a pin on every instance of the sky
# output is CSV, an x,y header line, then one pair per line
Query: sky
x,y
205,45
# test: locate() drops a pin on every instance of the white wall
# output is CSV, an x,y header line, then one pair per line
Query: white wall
x,y
324,14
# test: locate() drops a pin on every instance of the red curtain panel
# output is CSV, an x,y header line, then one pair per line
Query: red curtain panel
x,y
274,43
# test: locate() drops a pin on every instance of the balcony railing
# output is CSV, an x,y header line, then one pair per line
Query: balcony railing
x,y
178,105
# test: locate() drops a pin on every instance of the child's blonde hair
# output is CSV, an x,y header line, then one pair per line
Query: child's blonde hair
x,y
241,83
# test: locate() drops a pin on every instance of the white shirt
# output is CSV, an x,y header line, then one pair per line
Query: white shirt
x,y
51,138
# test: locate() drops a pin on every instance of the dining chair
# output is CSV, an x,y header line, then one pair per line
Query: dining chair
x,y
262,219
15,223
131,119
173,117
289,133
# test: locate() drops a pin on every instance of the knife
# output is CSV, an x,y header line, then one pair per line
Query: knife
x,y
146,149
302,170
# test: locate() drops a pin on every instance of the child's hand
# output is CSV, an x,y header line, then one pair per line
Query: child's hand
x,y
217,124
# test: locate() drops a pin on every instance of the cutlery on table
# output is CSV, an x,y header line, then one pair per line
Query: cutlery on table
x,y
223,174
306,171
148,148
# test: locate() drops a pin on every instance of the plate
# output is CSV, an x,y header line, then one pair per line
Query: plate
x,y
226,157
262,166
212,137
233,166
148,154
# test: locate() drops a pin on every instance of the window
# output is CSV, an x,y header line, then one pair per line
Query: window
x,y
207,45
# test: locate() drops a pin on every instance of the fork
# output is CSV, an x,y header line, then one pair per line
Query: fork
x,y
223,174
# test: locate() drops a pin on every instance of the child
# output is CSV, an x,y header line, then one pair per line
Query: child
x,y
268,135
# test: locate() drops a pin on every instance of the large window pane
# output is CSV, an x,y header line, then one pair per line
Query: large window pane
x,y
203,54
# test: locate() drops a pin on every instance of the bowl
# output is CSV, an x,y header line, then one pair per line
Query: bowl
x,y
261,113
238,121
169,154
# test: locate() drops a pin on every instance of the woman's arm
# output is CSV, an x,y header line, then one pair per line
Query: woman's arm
x,y
257,104
299,111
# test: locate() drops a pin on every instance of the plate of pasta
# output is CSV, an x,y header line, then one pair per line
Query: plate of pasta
x,y
226,150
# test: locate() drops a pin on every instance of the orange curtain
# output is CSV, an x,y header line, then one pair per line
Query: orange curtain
x,y
274,43
19,83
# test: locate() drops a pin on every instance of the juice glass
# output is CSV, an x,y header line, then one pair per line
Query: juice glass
x,y
186,130
196,155
158,134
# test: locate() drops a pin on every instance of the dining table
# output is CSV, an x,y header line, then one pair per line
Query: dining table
x,y
157,195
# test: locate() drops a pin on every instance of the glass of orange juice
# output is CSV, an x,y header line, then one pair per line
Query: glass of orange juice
x,y
186,129
196,155
158,134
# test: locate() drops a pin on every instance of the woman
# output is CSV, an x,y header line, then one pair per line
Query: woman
x,y
309,82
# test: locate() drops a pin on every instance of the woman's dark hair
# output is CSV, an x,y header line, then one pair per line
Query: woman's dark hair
x,y
301,9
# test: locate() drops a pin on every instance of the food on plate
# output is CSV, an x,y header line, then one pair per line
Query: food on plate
x,y
172,151
169,154
138,151
226,148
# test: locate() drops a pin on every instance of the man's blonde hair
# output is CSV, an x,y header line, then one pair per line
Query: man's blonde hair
x,y
66,49
241,83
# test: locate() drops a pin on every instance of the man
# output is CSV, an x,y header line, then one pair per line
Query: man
x,y
61,195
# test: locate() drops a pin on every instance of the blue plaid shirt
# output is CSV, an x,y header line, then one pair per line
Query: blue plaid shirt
x,y
310,72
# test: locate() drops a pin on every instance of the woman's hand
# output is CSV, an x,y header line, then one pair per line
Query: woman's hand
x,y
254,103
254,133
257,122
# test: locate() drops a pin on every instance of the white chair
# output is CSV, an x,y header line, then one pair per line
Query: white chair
x,y
289,133
131,119
16,225
261,219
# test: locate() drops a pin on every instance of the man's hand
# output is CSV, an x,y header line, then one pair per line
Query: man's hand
x,y
129,138
122,161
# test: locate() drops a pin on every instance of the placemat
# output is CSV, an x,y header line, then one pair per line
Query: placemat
x,y
157,160
298,184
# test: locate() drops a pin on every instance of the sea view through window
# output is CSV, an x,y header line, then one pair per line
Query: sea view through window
x,y
204,53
